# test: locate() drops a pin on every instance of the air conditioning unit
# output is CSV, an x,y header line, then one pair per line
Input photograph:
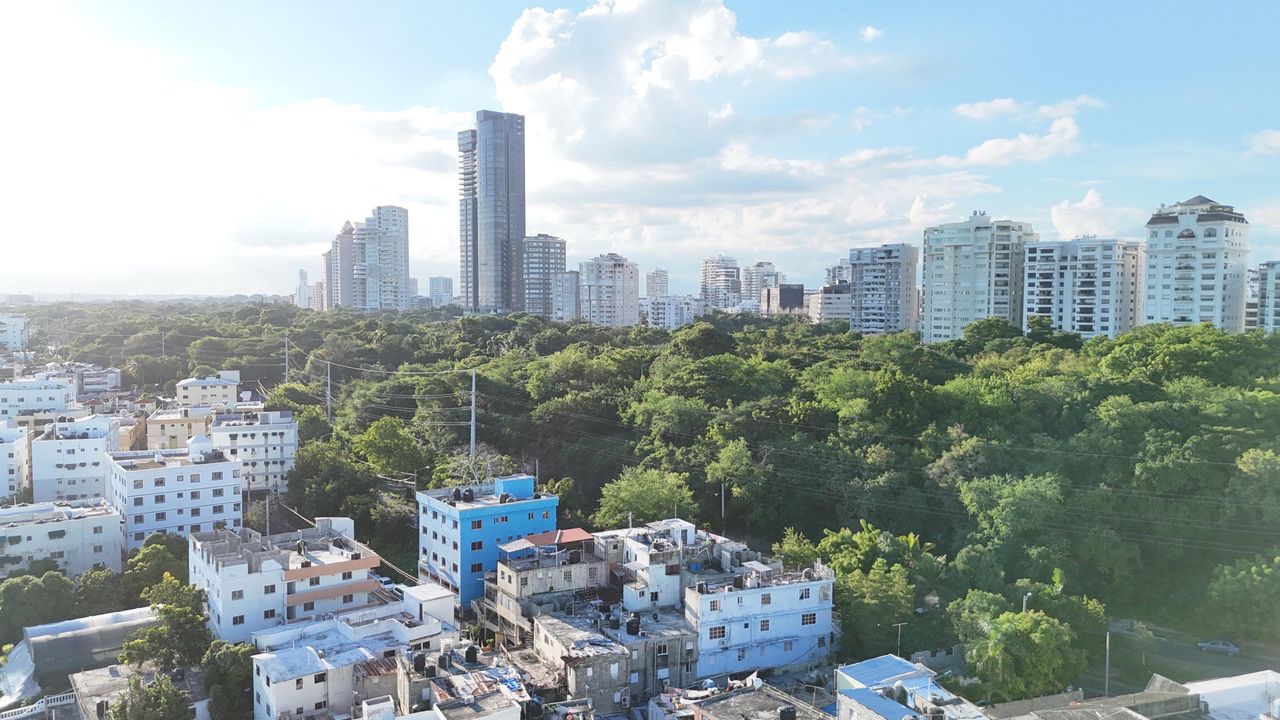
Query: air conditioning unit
x,y
625,701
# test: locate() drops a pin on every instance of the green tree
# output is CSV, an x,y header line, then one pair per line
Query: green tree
x,y
157,700
100,591
146,568
228,678
870,603
972,615
795,550
1244,598
1024,655
647,495
175,544
747,482
181,638
27,600
389,447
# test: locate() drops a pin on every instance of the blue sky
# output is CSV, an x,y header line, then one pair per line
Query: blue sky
x,y
233,139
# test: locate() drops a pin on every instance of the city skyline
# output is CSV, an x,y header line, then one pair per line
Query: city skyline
x,y
767,163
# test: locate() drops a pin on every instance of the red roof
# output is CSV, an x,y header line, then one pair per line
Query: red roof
x,y
559,537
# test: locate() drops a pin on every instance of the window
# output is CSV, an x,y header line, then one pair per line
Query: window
x,y
217,509
764,626
159,499
297,685
346,575
322,705
568,576
97,548
786,646
546,515
217,492
237,620
524,581
809,619
742,654
195,512
477,524
158,482
195,494
313,581
268,589
477,545
715,606
477,567
716,632
804,594
237,594
137,502
308,606
160,517
348,599
137,484
766,599
217,475
268,614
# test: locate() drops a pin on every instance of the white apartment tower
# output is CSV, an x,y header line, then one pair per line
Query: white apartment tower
x,y
672,311
882,285
440,290
44,393
78,536
1088,285
721,282
381,260
609,291
264,442
339,269
972,271
14,464
1195,268
302,294
758,276
565,289
68,458
656,284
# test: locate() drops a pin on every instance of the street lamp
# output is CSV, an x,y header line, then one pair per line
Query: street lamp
x,y
1025,598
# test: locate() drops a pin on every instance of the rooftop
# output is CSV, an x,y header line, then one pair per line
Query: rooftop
x,y
879,704
479,693
206,381
580,636
919,683
252,419
503,490
756,703
46,512
135,460
1240,697
109,682
168,414
320,545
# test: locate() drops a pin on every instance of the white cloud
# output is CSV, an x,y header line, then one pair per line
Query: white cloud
x,y
1266,142
870,33
1092,216
1069,108
1063,138
724,113
987,109
924,212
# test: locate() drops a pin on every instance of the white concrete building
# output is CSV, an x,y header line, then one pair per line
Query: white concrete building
x,y
219,390
174,491
883,288
79,536
325,667
672,311
380,260
565,296
1195,265
302,293
656,283
1252,289
972,271
609,291
15,464
40,393
541,259
13,332
318,295
339,269
68,459
440,290
256,582
721,285
171,428
1091,286
1269,296
834,303
265,442
757,277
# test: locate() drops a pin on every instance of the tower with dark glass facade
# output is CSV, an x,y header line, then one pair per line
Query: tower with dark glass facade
x,y
492,212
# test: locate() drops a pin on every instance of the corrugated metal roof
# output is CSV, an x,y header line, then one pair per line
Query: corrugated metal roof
x,y
876,671
879,704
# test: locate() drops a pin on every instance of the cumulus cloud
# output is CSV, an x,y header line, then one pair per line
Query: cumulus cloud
x,y
987,109
1069,108
1092,216
870,33
1063,138
1266,142
926,211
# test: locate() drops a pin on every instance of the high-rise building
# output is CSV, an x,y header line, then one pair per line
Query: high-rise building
x,y
655,283
543,258
339,269
840,273
1252,288
786,299
565,289
1269,296
883,289
318,296
302,294
491,212
381,260
609,291
756,277
440,290
834,303
1195,268
721,282
972,271
1088,285
672,311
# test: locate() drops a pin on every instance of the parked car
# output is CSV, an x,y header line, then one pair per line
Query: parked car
x,y
1221,647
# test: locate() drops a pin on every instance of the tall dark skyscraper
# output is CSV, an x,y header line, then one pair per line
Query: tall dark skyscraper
x,y
491,212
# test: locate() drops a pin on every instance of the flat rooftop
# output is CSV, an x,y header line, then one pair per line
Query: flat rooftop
x,y
133,460
579,633
760,703
478,694
485,495
319,545
191,413
107,683
252,419
47,512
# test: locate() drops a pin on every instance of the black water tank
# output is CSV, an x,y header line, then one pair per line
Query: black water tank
x,y
737,583
429,671
457,494
787,712
468,495
443,661
419,662
472,654
633,624
615,622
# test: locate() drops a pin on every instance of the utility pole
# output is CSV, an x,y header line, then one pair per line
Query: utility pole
x,y
161,344
328,390
473,412
899,626
724,521
1106,682
286,359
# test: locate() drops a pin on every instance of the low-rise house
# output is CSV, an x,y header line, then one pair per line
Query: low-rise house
x,y
174,491
220,390
78,536
593,665
68,458
98,690
914,688
756,702
265,442
256,582
171,428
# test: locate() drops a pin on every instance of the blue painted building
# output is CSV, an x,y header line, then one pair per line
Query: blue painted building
x,y
891,688
461,528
